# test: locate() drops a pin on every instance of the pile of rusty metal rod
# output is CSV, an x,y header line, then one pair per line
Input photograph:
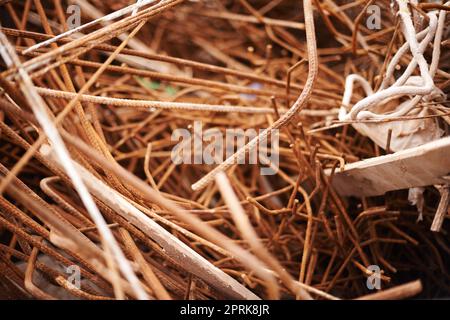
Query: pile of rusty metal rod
x,y
224,149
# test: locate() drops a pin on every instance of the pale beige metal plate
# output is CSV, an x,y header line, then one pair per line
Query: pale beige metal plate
x,y
425,165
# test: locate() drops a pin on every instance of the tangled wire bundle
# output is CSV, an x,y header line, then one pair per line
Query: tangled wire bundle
x,y
93,205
